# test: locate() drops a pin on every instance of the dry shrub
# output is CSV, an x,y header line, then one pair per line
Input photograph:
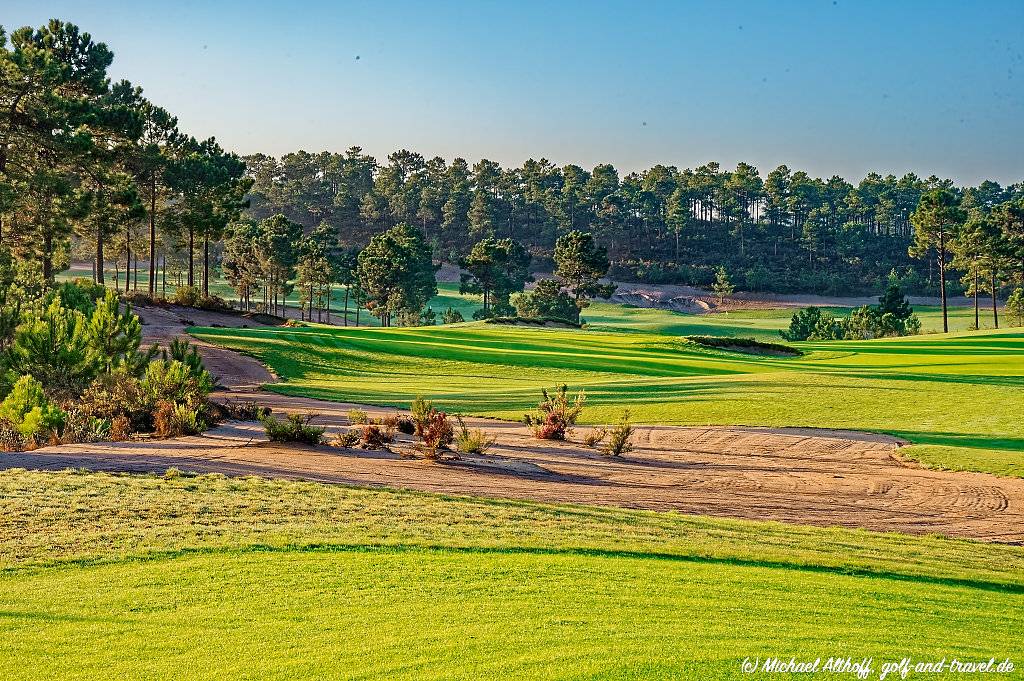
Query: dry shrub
x,y
175,420
346,439
438,434
358,417
595,437
120,428
11,439
556,414
375,437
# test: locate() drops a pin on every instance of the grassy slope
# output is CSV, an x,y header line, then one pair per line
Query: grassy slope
x,y
207,577
957,397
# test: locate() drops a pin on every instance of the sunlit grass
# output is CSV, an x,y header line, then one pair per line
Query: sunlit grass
x,y
108,576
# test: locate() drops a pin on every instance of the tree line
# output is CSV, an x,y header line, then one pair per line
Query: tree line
x,y
89,160
783,232
91,168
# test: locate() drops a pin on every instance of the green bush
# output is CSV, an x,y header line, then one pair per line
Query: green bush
x,y
30,412
176,382
358,417
420,410
474,441
452,316
294,428
547,299
175,420
1015,306
188,296
619,437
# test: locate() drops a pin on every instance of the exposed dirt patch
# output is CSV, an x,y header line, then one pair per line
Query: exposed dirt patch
x,y
795,475
791,475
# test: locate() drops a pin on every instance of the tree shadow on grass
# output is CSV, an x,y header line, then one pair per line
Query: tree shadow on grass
x,y
968,440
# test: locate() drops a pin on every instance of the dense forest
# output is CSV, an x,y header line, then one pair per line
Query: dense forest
x,y
90,170
786,231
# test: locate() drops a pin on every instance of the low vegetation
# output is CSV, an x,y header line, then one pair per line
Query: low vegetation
x,y
632,359
892,317
620,436
72,368
747,345
293,428
472,440
556,413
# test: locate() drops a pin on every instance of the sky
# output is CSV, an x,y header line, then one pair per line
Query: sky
x,y
831,87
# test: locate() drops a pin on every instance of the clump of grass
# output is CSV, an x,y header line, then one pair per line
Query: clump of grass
x,y
294,428
474,441
556,413
595,437
619,437
358,417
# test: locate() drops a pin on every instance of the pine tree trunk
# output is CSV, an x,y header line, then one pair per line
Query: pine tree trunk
x,y
152,236
942,281
995,307
206,265
191,257
99,256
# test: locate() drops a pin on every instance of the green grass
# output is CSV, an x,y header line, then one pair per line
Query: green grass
x,y
105,576
958,397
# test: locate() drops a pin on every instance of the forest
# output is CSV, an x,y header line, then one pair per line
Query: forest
x,y
91,170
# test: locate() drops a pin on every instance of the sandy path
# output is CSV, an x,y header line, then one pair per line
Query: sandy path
x,y
801,476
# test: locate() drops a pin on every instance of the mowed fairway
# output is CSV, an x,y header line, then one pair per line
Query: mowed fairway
x,y
957,397
206,577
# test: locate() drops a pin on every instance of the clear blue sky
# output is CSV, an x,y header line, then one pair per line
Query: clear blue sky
x,y
830,87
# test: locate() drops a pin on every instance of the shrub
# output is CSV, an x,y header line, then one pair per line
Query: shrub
x,y
547,299
803,324
294,428
178,383
556,415
437,434
619,437
595,437
1015,306
420,410
474,441
374,437
358,417
405,425
245,410
175,420
30,412
452,316
120,428
189,296
117,395
81,427
346,439
11,439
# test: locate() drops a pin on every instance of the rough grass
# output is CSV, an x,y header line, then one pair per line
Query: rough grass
x,y
957,396
208,577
